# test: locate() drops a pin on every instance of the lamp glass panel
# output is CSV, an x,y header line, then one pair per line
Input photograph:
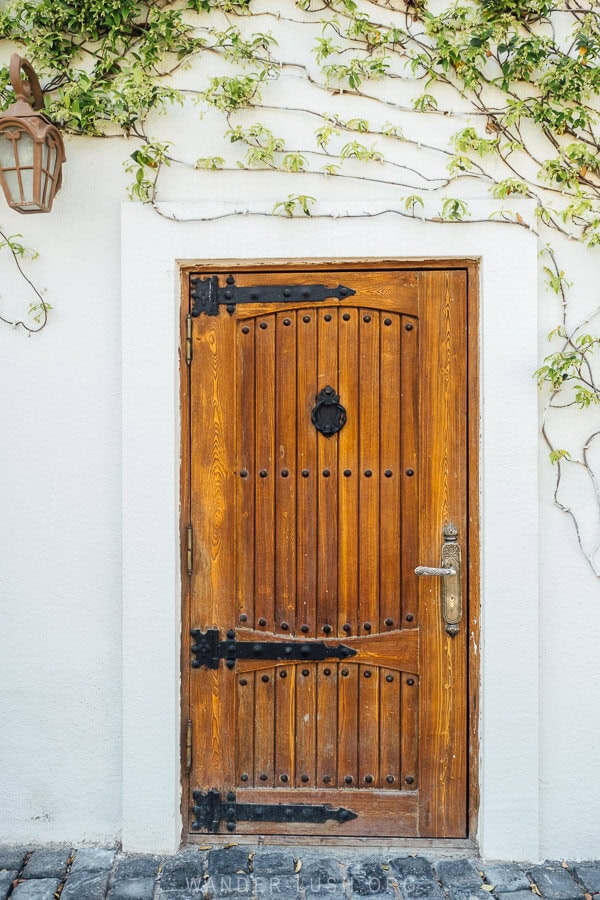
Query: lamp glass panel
x,y
7,147
27,179
12,183
26,149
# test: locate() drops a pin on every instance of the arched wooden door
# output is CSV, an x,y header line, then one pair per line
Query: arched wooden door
x,y
327,452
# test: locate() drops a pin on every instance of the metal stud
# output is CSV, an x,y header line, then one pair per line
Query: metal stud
x,y
304,778
305,672
367,674
243,617
326,473
231,826
388,473
243,682
409,327
262,621
287,321
306,318
305,473
263,776
263,473
244,777
387,321
366,318
304,629
284,778
347,473
348,779
346,317
390,779
367,626
230,279
327,317
285,473
368,473
409,617
347,627
284,626
410,681
228,295
327,629
345,673
231,634
244,473
389,622
245,330
409,779
326,779
326,671
369,779
265,678
263,325
410,472
283,674
389,678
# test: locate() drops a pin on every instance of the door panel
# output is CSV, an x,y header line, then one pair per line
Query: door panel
x,y
309,537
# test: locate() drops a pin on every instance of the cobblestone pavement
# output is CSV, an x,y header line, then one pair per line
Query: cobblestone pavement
x,y
281,873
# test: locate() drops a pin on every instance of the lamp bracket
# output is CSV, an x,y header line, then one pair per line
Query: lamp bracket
x,y
25,89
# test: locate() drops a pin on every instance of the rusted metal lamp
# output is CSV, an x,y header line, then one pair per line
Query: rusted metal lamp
x,y
31,148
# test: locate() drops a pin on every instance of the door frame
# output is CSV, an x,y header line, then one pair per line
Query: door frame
x,y
471,267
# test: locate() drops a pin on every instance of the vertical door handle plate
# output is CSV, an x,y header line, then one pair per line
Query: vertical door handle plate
x,y
451,586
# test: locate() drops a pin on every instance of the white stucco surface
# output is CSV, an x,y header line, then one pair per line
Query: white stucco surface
x,y
89,662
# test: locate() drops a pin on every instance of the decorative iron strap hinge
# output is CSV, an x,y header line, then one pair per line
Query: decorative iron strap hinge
x,y
209,811
208,649
207,296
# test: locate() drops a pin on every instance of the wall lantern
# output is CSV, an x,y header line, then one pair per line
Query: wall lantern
x,y
31,149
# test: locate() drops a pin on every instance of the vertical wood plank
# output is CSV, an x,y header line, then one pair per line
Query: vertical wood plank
x,y
285,724
307,474
368,587
264,734
245,729
409,474
327,731
306,724
410,732
213,581
348,474
391,475
285,472
442,498
246,473
368,744
348,724
327,497
390,725
265,473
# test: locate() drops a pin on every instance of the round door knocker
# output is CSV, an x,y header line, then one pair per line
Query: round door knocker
x,y
328,415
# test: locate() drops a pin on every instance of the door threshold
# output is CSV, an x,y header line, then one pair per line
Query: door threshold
x,y
433,846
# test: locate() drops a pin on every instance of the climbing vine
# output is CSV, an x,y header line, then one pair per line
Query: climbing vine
x,y
425,102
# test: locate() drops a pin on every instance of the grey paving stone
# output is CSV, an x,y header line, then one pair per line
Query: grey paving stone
x,y
36,889
273,862
368,878
230,860
137,866
85,886
179,870
6,879
47,863
506,877
468,894
321,877
416,879
134,889
588,873
230,884
278,887
93,859
458,873
12,857
516,895
555,883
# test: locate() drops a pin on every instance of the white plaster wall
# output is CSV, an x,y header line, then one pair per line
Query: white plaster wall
x,y
61,592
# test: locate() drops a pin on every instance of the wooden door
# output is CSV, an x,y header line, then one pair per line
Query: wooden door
x,y
305,536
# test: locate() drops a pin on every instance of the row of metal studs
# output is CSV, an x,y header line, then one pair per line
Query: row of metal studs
x,y
345,672
327,629
326,473
346,317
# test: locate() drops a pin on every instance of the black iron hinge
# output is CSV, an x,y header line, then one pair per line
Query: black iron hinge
x,y
207,296
208,649
209,811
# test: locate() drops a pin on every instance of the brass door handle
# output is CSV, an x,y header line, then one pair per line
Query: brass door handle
x,y
449,571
